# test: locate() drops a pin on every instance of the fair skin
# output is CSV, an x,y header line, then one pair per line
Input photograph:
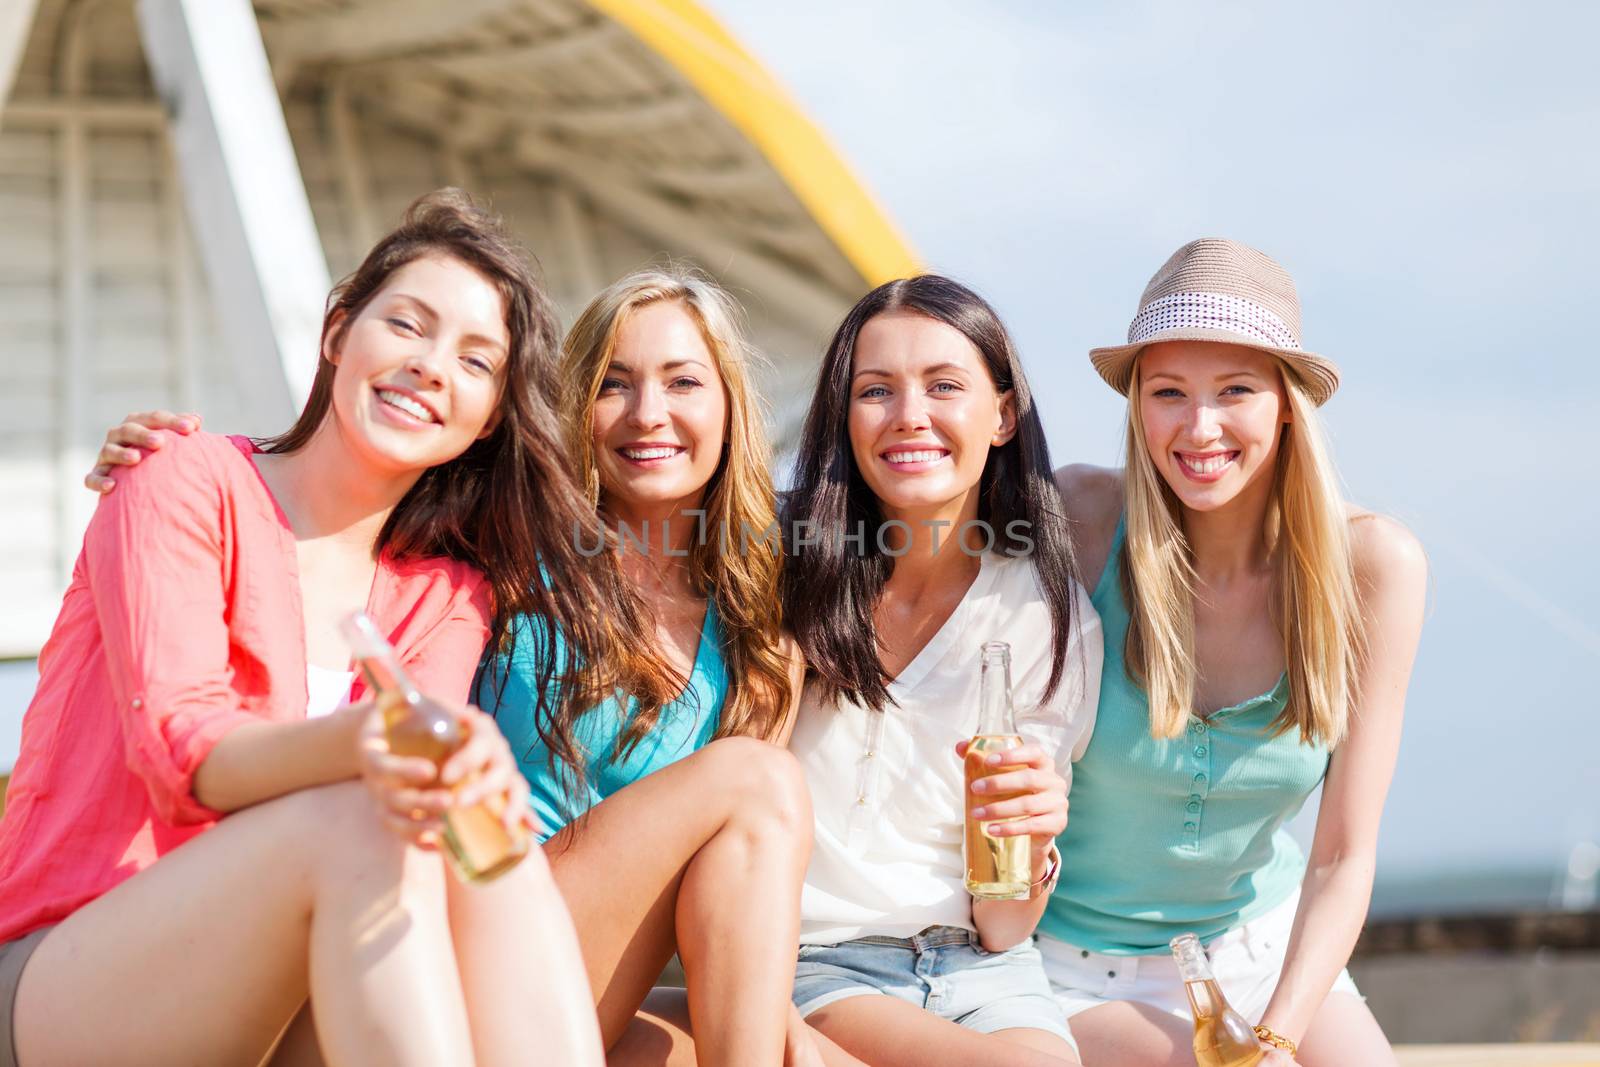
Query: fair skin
x,y
924,415
301,893
659,424
1213,415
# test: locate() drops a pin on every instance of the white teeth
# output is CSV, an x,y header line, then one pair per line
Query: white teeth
x,y
405,404
649,453
1209,465
913,457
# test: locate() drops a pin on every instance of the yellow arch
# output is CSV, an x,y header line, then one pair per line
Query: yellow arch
x,y
689,38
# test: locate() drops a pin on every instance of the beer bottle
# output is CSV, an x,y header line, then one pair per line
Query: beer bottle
x,y
1221,1036
476,840
998,868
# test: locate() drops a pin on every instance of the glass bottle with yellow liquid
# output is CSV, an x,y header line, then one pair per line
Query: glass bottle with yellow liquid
x,y
998,868
476,839
1222,1038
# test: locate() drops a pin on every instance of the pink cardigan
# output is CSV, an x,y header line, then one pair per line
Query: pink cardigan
x,y
183,621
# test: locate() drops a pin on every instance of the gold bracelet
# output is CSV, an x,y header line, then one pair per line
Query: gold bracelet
x,y
1276,1040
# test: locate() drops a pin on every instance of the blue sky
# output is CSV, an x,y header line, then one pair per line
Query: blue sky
x,y
1427,172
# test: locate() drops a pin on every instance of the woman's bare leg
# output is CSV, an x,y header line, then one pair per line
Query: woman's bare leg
x,y
888,1032
1129,1033
705,856
659,1037
516,949
1344,1031
298,1046
205,956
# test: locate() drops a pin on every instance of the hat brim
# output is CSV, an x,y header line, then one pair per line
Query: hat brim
x,y
1317,375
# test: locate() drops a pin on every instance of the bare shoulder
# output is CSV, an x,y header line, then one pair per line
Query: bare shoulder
x,y
1386,554
1091,484
791,652
1092,497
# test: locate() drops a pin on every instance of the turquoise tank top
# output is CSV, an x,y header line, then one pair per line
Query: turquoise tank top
x,y
1176,835
686,725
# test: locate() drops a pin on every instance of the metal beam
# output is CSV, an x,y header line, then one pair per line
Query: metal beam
x,y
497,63
268,276
16,19
77,323
355,184
376,30
791,295
573,236
97,112
616,191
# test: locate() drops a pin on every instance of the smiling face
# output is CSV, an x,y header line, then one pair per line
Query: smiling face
x,y
1213,416
924,413
661,415
419,369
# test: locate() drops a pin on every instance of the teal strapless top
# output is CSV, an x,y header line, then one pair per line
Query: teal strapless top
x,y
686,725
1186,834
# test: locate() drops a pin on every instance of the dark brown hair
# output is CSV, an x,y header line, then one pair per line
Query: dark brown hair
x,y
832,588
508,505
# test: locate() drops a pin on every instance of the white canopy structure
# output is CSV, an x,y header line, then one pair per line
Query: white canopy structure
x,y
180,180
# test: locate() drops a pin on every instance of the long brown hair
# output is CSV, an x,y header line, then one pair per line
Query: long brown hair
x,y
508,505
742,582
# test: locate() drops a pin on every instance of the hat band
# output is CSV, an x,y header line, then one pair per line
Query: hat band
x,y
1211,311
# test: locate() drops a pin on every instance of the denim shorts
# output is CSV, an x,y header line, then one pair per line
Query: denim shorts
x,y
944,970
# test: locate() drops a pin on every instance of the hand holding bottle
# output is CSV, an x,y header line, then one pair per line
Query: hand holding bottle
x,y
1034,795
414,793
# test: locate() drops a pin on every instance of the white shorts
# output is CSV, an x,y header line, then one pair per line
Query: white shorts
x,y
1246,960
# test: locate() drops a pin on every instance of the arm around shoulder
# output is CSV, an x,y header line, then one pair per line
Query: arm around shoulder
x,y
1092,498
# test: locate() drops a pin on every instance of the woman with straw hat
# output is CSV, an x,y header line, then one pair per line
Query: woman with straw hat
x,y
1259,637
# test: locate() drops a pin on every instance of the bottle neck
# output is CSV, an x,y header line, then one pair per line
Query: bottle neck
x,y
379,664
385,675
1193,965
995,714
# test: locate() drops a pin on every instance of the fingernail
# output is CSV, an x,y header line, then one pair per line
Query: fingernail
x,y
978,813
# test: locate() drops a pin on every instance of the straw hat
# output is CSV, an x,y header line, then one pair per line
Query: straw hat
x,y
1216,290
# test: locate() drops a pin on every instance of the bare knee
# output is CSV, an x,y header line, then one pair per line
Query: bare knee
x,y
1132,1034
765,786
340,828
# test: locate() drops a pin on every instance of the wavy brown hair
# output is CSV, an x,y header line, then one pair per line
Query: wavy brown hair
x,y
508,505
741,579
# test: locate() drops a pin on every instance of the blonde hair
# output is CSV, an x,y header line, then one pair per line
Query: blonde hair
x,y
742,582
1315,607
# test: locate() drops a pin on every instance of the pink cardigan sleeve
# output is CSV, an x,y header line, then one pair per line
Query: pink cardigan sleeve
x,y
154,558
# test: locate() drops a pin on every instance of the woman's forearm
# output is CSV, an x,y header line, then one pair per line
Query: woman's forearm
x,y
259,761
1002,924
1333,908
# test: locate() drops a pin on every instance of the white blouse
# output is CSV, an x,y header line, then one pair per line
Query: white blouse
x,y
887,788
